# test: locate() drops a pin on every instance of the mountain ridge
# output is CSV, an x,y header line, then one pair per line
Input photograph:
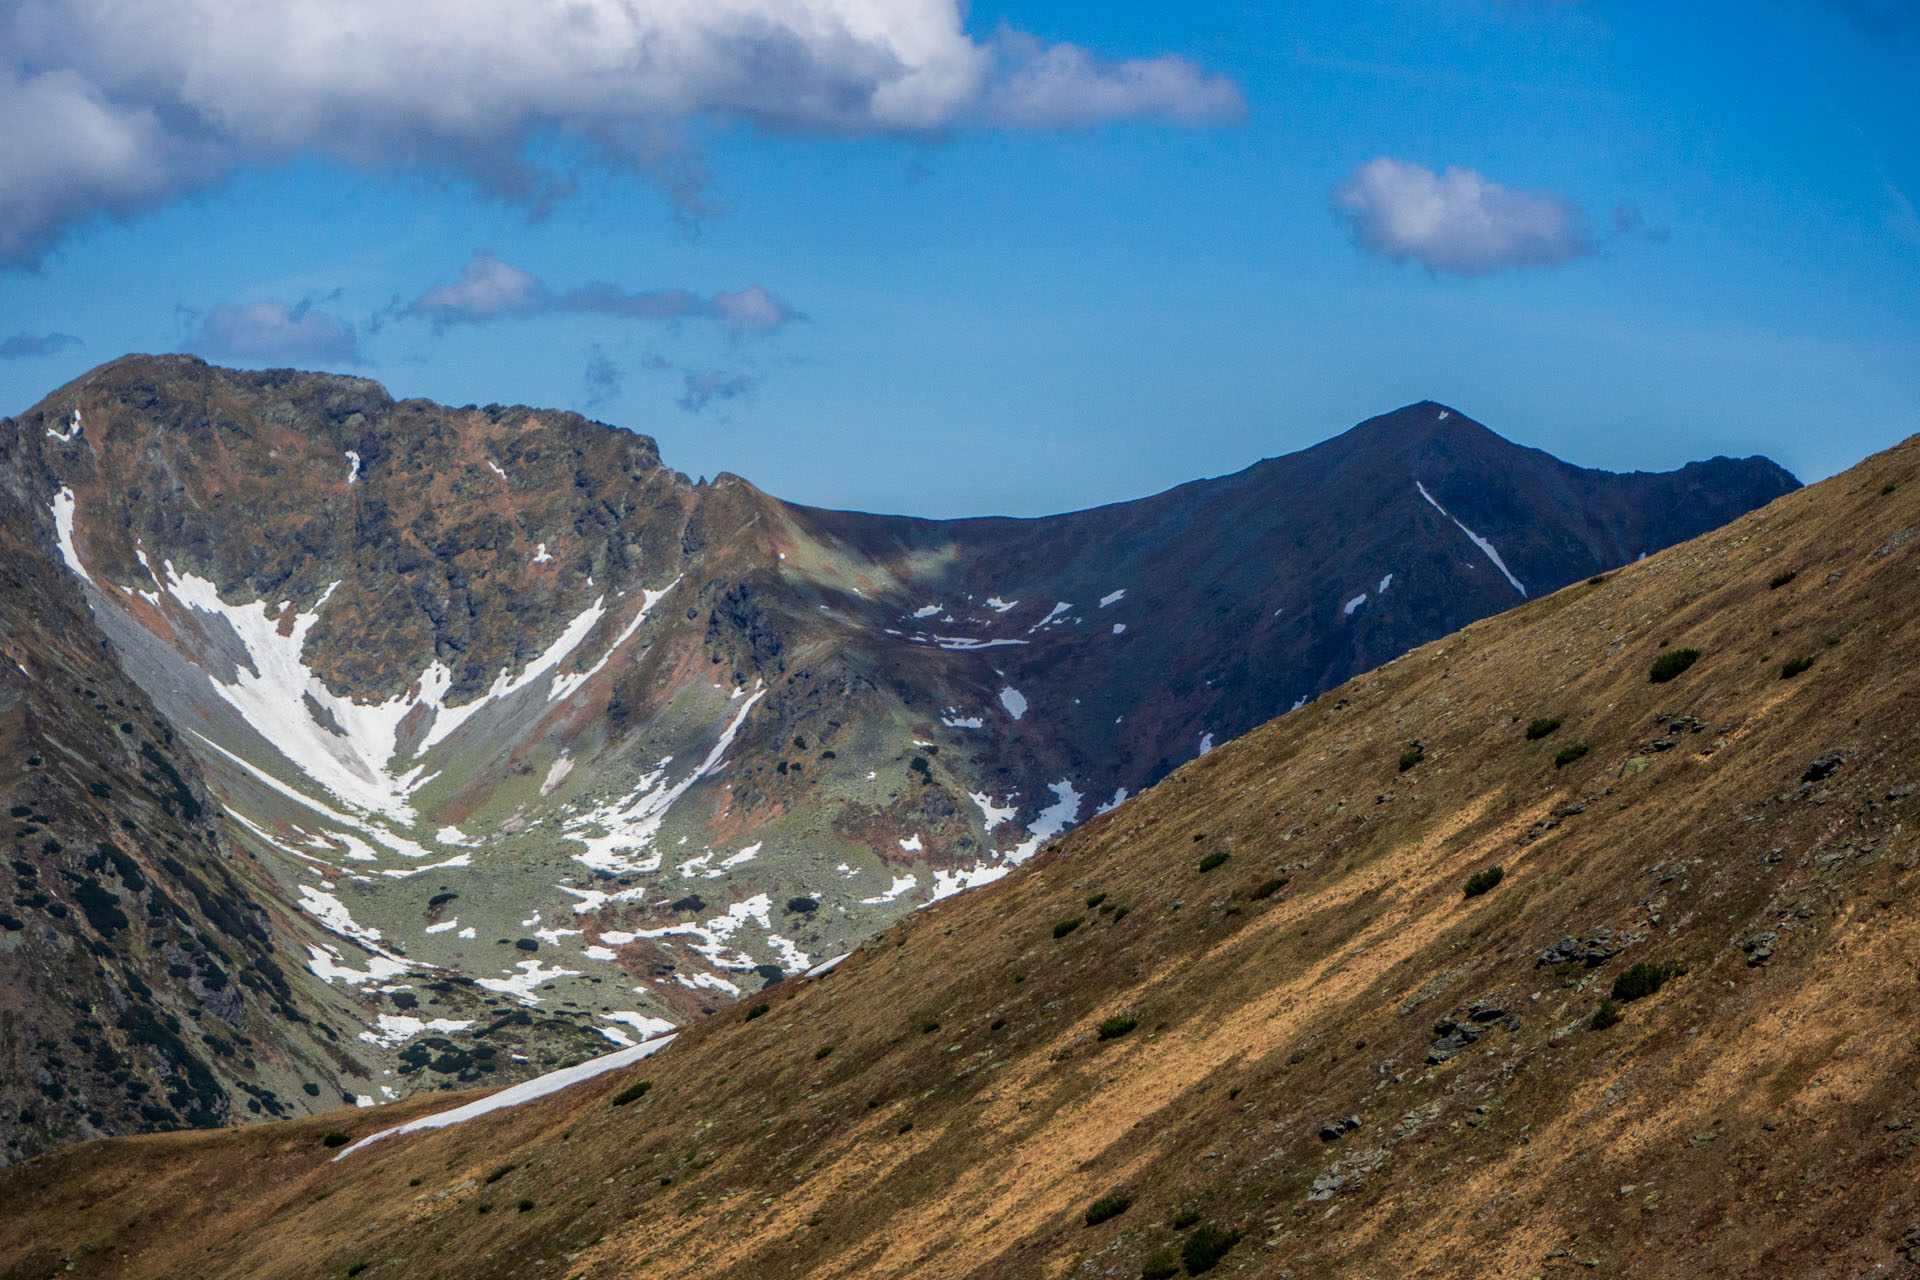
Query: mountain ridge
x,y
511,719
1256,1017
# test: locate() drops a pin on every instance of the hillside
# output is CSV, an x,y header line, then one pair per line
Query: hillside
x,y
1324,1059
509,725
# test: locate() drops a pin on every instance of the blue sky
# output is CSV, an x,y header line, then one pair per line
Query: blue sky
x,y
1061,254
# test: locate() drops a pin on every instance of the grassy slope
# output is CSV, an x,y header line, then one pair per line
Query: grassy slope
x,y
1744,1120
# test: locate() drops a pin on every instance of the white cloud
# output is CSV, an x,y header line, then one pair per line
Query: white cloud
x,y
1044,86
1458,221
274,333
489,289
111,107
751,310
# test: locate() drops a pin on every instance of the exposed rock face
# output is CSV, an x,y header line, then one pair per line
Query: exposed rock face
x,y
510,713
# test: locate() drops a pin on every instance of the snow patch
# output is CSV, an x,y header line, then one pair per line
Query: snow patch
x,y
992,815
1206,742
1384,584
540,555
1059,608
1475,538
629,826
952,718
353,472
63,529
900,885
1014,701
1050,822
521,986
325,962
72,432
824,966
445,926
928,611
392,1029
948,883
458,860
710,981
1113,597
514,1095
556,773
912,843
1353,604
564,685
592,900
746,855
998,605
1119,798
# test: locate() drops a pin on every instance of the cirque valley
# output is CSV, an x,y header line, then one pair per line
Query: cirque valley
x,y
362,746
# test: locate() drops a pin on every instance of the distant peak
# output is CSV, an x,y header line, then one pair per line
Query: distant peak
x,y
1414,424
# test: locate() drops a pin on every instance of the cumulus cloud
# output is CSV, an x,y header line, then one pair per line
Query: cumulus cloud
x,y
111,108
1458,221
28,346
274,333
489,289
703,386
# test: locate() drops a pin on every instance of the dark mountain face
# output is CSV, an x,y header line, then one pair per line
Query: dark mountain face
x,y
504,717
1233,600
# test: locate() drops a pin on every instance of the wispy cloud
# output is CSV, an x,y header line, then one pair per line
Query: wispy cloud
x,y
704,386
1458,221
29,346
489,289
112,108
274,333
603,378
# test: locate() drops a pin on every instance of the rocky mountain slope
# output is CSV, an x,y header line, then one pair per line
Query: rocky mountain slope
x,y
1258,1021
513,725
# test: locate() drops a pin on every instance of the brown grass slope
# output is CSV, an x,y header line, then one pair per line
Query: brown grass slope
x,y
943,1104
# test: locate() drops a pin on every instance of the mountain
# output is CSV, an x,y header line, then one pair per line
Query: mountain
x,y
1257,1019
516,731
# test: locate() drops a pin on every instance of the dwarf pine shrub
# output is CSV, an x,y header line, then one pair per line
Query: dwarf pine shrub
x,y
1204,1248
1671,663
1640,981
1540,728
1481,881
